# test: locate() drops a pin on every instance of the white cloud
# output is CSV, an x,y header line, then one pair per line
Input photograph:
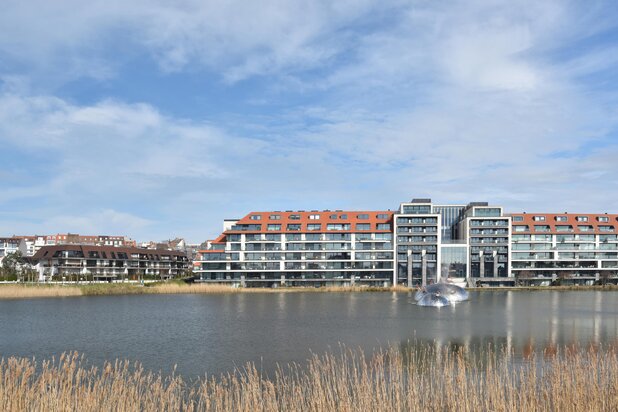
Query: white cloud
x,y
465,100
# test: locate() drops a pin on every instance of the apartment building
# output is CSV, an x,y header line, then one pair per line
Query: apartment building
x,y
572,248
107,263
302,248
418,243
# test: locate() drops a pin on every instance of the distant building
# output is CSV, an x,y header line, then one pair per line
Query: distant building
x,y
106,263
98,240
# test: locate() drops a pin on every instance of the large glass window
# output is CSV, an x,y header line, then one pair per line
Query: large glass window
x,y
273,227
338,226
363,226
417,209
487,211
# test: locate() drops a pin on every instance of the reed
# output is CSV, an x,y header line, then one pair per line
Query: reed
x,y
14,291
20,291
390,380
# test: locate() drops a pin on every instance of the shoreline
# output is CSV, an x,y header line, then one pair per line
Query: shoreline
x,y
27,291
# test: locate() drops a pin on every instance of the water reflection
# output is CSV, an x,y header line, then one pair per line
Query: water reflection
x,y
215,333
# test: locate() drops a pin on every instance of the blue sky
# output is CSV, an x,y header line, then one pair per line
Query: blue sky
x,y
158,119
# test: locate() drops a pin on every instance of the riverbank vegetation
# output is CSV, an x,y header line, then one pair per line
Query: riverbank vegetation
x,y
37,290
34,290
570,379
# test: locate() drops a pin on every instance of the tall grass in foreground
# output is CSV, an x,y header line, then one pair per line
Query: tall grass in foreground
x,y
422,380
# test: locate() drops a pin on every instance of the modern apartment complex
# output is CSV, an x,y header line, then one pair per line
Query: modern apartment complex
x,y
418,243
550,246
106,263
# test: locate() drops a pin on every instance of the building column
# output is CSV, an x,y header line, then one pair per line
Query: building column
x,y
424,268
481,264
495,264
409,268
282,281
243,283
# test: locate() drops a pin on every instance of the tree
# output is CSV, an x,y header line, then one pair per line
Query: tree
x,y
11,265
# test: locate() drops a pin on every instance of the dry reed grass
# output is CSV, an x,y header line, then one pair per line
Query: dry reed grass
x,y
425,380
16,291
37,291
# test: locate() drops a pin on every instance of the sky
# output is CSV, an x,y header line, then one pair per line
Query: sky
x,y
158,119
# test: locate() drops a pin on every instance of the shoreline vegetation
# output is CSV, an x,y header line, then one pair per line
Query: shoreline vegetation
x,y
34,290
424,378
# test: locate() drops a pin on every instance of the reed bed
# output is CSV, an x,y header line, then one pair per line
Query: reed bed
x,y
17,291
10,291
389,380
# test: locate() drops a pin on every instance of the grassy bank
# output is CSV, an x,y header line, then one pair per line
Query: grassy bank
x,y
545,288
425,380
21,291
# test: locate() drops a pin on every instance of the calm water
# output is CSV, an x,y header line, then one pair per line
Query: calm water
x,y
215,333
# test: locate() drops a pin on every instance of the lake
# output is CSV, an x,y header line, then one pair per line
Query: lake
x,y
215,333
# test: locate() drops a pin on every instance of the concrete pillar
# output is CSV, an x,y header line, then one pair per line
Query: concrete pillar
x,y
243,283
481,264
424,268
409,267
282,280
495,264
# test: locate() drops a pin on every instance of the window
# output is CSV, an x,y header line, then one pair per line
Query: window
x,y
382,216
333,217
292,226
585,228
409,209
541,228
603,219
314,217
343,217
338,226
521,228
294,217
564,228
539,218
582,218
606,228
383,226
518,218
363,226
362,216
561,218
274,217
255,217
273,227
314,227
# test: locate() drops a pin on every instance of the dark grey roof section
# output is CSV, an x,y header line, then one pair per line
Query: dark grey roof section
x,y
47,252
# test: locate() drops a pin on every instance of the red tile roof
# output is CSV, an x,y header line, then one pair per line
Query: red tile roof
x,y
571,220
